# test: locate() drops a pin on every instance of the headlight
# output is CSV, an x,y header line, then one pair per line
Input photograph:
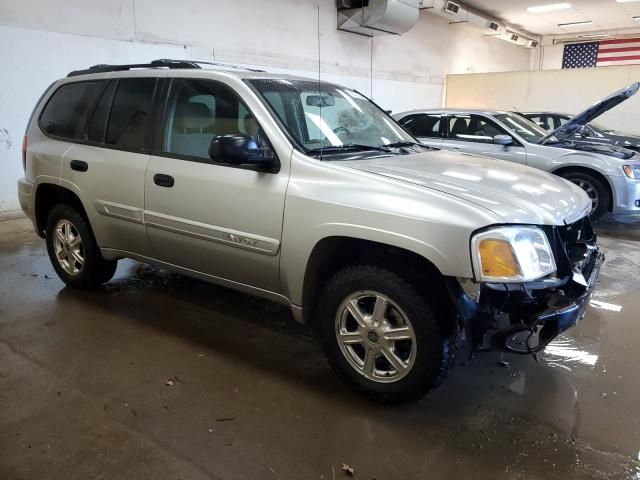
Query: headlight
x,y
511,255
632,171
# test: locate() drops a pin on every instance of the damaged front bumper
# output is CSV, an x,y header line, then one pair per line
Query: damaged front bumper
x,y
525,318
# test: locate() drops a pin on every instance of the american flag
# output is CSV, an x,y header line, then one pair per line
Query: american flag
x,y
621,51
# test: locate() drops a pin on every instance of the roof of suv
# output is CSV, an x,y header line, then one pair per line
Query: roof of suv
x,y
164,65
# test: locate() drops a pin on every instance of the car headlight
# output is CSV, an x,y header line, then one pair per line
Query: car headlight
x,y
632,171
511,255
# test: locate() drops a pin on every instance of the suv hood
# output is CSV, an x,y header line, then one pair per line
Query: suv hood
x,y
515,193
593,112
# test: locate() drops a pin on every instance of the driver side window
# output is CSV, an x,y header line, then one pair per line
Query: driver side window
x,y
473,128
197,111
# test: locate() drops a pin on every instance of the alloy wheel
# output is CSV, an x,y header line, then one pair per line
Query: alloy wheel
x,y
375,336
68,247
590,189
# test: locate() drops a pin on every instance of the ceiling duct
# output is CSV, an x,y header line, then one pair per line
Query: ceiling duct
x,y
377,17
457,12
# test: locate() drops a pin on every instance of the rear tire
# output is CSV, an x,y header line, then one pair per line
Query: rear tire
x,y
597,191
381,336
73,250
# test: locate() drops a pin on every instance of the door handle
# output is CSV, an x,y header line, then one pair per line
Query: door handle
x,y
163,180
79,165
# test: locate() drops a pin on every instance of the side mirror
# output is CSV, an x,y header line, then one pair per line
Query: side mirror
x,y
241,149
505,140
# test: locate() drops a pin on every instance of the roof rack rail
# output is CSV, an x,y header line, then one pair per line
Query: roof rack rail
x,y
160,63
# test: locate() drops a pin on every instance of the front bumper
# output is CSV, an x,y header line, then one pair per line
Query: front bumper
x,y
564,311
524,318
626,195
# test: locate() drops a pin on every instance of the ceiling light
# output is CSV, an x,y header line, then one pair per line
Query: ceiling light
x,y
626,1
636,18
575,24
595,35
549,8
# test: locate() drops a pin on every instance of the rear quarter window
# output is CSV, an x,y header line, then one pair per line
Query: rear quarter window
x,y
66,111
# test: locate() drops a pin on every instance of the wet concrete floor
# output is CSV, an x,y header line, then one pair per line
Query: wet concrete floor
x,y
162,377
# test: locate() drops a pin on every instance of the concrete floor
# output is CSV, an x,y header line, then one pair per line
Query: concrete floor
x,y
84,394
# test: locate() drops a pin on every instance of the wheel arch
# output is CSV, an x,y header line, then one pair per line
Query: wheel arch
x,y
330,254
589,171
47,196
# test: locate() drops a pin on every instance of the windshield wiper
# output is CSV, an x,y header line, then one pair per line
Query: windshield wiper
x,y
404,144
348,146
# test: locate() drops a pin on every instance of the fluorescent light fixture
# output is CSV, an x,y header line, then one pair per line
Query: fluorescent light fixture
x,y
596,35
627,1
576,24
636,18
549,8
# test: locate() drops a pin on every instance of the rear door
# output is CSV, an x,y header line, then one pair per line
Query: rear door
x,y
108,167
474,133
426,127
207,216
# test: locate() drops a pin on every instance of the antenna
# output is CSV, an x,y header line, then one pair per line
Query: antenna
x,y
319,92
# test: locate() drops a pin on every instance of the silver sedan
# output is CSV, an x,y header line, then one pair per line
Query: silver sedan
x,y
610,176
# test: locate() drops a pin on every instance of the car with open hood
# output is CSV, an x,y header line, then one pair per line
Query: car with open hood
x,y
308,194
591,132
610,175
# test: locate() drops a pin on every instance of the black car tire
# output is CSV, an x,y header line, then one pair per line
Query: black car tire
x,y
593,186
94,269
434,352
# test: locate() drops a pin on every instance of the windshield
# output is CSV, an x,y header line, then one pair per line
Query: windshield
x,y
321,115
522,126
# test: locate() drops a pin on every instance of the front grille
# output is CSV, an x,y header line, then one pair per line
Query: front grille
x,y
575,247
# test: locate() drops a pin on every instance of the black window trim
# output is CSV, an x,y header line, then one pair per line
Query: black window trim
x,y
147,148
159,130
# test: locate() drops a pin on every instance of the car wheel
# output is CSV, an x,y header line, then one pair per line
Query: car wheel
x,y
596,190
73,250
381,336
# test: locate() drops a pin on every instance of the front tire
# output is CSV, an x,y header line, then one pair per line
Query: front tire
x,y
381,336
597,191
73,250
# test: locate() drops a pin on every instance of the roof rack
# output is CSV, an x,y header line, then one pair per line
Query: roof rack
x,y
160,63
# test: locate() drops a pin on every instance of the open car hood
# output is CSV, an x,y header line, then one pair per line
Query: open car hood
x,y
593,112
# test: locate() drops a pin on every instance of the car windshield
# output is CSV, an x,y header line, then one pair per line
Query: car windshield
x,y
525,128
322,116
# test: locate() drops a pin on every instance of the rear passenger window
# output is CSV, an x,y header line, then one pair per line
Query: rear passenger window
x,y
422,125
98,123
131,113
66,112
197,111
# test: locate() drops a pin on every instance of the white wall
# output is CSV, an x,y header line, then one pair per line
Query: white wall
x,y
41,41
568,91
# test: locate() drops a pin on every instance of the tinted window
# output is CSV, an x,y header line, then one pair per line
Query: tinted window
x,y
130,114
422,125
66,112
98,123
200,109
473,128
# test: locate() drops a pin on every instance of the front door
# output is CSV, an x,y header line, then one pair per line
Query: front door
x,y
473,133
207,216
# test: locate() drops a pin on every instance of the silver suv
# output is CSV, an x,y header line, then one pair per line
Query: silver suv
x,y
308,194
